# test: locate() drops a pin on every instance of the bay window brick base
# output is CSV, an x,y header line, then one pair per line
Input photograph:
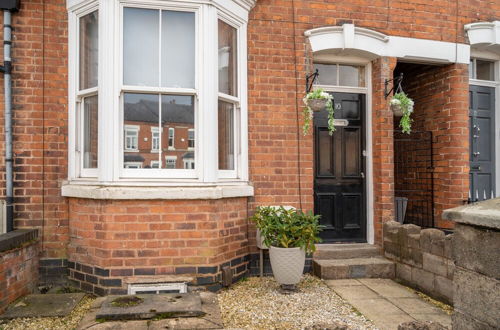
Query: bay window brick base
x,y
112,241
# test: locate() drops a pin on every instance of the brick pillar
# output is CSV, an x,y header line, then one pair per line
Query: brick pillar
x,y
383,146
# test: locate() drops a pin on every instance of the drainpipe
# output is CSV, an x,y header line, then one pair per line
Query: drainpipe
x,y
8,7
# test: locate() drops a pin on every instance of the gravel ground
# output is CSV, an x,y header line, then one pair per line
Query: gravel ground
x,y
256,303
51,323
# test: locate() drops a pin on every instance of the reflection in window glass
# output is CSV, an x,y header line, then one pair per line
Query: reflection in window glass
x,y
89,50
141,114
471,69
177,115
142,121
228,73
327,74
191,138
485,70
90,123
226,135
177,49
140,46
350,75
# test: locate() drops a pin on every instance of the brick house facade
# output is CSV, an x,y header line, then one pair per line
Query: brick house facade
x,y
112,225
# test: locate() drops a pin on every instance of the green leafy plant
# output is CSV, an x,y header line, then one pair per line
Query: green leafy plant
x,y
318,94
406,104
288,228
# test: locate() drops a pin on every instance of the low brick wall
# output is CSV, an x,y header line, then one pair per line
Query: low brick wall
x,y
476,252
18,272
423,258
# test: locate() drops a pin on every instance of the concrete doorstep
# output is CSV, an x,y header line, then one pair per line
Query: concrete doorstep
x,y
43,305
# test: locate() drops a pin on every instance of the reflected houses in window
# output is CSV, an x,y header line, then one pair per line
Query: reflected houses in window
x,y
164,123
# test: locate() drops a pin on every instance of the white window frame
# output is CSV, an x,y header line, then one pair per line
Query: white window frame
x,y
135,129
171,146
134,164
111,169
155,162
236,101
155,130
194,139
170,158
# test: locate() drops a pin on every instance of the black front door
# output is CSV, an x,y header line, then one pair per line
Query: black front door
x,y
482,142
339,185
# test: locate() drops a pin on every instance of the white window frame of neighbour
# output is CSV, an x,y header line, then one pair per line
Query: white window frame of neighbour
x,y
155,162
133,164
171,135
134,129
193,139
155,148
170,158
111,171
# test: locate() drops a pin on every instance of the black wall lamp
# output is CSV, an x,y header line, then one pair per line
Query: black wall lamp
x,y
396,86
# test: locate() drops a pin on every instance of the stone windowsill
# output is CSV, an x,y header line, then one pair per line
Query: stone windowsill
x,y
160,192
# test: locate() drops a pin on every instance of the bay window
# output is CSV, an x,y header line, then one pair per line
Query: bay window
x,y
163,99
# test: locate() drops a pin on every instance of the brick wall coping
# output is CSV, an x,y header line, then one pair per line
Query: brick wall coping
x,y
163,192
16,238
484,214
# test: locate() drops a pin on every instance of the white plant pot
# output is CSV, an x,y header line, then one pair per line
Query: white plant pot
x,y
287,264
260,240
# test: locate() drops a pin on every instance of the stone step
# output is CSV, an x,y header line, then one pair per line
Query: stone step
x,y
336,269
346,251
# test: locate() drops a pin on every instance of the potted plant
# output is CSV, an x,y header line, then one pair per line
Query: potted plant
x,y
315,101
402,106
289,234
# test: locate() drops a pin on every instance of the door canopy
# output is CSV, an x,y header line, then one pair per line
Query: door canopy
x,y
484,36
355,41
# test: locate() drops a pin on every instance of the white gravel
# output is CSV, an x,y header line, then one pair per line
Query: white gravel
x,y
257,303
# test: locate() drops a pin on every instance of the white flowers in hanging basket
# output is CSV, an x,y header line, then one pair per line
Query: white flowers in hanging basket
x,y
316,101
402,106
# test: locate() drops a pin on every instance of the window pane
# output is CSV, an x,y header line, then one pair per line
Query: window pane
x,y
88,50
327,74
471,69
177,116
178,49
90,120
228,72
226,136
141,115
485,70
351,76
140,46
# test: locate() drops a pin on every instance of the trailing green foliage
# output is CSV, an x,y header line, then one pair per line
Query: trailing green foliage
x,y
318,94
402,100
288,228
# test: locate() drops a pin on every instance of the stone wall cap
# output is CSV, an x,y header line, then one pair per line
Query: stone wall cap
x,y
484,214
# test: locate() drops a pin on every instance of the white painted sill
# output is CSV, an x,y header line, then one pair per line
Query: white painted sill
x,y
121,192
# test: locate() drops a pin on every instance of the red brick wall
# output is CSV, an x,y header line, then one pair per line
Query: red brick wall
x,y
442,107
383,146
158,237
40,121
18,273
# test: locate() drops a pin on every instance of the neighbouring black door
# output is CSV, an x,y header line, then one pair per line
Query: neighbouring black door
x,y
482,142
339,185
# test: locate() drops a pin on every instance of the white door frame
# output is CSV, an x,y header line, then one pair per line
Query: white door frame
x,y
323,58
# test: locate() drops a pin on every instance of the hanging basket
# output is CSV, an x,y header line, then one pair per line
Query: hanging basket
x,y
396,110
317,104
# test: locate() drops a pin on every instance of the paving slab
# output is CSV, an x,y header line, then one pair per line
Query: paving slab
x,y
169,305
415,305
345,282
388,288
392,321
355,292
374,307
43,305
